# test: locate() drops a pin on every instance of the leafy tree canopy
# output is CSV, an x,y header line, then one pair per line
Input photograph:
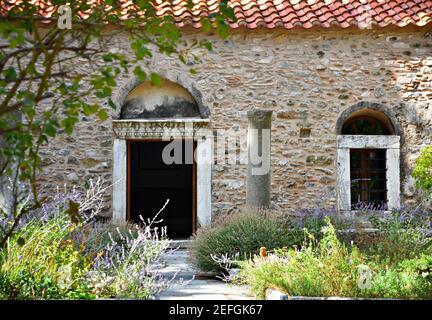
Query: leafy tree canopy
x,y
51,75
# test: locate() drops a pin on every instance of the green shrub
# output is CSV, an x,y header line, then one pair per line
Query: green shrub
x,y
421,265
328,267
400,283
240,234
319,268
423,169
60,252
402,234
60,260
41,262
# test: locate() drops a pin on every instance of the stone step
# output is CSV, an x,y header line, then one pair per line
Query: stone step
x,y
180,244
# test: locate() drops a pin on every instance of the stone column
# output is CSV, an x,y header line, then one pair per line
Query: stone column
x,y
258,180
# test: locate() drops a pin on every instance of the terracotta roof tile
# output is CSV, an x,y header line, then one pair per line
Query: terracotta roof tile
x,y
287,13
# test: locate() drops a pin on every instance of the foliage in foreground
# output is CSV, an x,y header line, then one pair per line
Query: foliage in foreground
x,y
423,169
44,261
126,267
59,256
41,262
316,269
330,268
239,235
402,235
56,70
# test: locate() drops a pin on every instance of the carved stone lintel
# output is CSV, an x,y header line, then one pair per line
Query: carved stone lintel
x,y
158,129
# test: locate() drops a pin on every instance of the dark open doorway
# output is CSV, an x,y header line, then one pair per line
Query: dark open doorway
x,y
151,182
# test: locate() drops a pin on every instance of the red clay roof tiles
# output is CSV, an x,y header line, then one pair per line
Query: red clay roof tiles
x,y
310,13
289,13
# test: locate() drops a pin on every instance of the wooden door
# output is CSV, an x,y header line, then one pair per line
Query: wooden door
x,y
152,182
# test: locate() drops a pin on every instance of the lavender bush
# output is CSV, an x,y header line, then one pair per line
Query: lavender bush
x,y
127,266
61,251
402,234
89,204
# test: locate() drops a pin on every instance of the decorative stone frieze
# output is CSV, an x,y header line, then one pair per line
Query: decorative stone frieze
x,y
197,129
158,129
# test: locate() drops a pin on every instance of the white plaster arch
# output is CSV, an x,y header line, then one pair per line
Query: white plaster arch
x,y
182,79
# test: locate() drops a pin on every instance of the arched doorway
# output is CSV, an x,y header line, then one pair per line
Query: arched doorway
x,y
158,135
368,160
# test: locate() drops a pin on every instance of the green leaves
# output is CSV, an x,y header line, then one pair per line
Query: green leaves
x,y
17,39
226,12
104,92
103,84
205,24
222,29
89,109
140,73
423,169
155,79
206,44
102,114
139,46
68,124
111,104
50,129
10,74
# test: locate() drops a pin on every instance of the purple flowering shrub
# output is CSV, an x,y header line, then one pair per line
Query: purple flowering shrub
x,y
402,234
127,265
60,251
90,204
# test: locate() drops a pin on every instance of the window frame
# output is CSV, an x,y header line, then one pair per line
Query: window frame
x,y
369,173
347,142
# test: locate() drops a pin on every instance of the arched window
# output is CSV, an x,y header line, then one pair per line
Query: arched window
x,y
368,166
368,160
365,125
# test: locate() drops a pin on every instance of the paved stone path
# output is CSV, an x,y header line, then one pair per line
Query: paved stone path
x,y
195,286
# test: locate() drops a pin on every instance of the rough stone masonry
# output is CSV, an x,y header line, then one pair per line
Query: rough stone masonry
x,y
307,78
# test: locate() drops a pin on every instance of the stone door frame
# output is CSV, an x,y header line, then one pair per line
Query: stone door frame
x,y
143,129
392,145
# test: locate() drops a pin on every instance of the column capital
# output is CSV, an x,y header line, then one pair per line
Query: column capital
x,y
261,118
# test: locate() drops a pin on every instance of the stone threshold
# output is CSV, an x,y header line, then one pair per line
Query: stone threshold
x,y
179,244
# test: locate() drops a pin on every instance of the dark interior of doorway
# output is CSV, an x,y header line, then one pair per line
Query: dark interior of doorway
x,y
152,182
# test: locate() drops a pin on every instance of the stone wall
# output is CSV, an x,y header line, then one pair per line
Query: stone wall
x,y
307,78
